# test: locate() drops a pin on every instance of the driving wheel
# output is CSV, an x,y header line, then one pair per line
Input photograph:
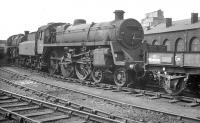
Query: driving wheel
x,y
67,70
82,70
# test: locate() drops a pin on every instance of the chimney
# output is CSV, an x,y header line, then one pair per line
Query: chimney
x,y
79,21
168,22
194,18
119,15
26,33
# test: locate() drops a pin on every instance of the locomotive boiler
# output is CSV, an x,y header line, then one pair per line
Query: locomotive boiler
x,y
91,50
126,31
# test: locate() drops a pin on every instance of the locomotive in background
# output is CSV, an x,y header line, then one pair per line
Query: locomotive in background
x,y
3,48
9,48
85,50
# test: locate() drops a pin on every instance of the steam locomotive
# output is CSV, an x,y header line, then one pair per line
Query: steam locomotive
x,y
3,48
85,50
99,51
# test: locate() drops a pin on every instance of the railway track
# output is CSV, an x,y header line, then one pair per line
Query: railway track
x,y
15,75
189,101
66,103
28,110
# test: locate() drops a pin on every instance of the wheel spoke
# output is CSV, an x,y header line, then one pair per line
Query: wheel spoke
x,y
85,72
82,71
98,75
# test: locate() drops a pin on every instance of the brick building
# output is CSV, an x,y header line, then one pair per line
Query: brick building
x,y
182,35
153,19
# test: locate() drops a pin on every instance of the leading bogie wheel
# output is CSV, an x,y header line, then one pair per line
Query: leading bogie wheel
x,y
121,77
97,75
82,70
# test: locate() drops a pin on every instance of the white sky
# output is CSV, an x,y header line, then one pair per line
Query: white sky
x,y
19,15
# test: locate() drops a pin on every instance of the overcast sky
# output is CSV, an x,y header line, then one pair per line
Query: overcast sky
x,y
19,15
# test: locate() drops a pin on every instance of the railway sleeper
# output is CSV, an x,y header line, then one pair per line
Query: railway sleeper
x,y
179,99
196,102
36,104
157,96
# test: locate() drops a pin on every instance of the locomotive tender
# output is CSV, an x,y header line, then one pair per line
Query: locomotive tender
x,y
87,50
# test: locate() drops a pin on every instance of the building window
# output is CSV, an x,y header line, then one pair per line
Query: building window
x,y
155,42
194,45
180,45
167,43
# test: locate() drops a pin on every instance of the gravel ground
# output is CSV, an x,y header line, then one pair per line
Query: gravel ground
x,y
123,111
29,94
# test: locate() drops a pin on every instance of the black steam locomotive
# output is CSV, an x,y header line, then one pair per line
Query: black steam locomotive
x,y
85,50
97,51
3,48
